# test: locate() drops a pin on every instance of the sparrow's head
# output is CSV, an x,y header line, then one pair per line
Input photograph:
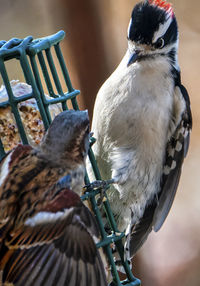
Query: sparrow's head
x,y
153,32
67,139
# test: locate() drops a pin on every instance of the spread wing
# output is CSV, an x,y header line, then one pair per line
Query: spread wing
x,y
47,235
54,247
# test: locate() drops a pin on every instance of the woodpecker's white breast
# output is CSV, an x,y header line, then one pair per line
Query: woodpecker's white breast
x,y
131,119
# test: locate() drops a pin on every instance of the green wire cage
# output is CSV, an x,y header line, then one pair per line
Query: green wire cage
x,y
38,66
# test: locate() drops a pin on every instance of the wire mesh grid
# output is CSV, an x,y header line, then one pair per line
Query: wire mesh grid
x,y
38,66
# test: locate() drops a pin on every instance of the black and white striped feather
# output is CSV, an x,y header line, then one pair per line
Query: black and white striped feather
x,y
157,210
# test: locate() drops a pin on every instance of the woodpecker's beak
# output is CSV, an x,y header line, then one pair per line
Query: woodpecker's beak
x,y
133,58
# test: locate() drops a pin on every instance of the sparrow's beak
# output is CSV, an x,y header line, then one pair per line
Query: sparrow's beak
x,y
133,58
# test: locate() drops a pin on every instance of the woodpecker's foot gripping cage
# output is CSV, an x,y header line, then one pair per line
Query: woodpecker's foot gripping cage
x,y
37,63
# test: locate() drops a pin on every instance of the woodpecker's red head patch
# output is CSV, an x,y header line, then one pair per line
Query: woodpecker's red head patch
x,y
162,4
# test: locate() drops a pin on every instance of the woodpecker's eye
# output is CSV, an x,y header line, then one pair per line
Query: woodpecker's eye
x,y
160,43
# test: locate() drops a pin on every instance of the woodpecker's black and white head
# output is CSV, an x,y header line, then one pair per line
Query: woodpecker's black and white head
x,y
153,32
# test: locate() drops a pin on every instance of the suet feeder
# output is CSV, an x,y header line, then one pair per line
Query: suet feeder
x,y
38,67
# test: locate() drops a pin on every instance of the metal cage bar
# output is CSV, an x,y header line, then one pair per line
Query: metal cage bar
x,y
27,51
39,84
12,102
30,80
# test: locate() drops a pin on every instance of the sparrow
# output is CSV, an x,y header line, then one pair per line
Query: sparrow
x,y
47,235
142,122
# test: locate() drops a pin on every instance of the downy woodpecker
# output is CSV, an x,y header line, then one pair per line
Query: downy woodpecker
x,y
142,122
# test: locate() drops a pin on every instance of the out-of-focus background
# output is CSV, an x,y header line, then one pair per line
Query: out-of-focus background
x,y
94,45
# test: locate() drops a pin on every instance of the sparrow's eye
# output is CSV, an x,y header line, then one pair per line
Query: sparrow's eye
x,y
160,43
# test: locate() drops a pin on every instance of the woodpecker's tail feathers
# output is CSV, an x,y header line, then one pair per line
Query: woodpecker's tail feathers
x,y
140,231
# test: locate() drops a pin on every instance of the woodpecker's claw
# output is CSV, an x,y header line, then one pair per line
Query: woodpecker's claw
x,y
100,184
102,197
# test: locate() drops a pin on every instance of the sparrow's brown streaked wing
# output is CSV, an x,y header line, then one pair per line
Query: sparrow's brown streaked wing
x,y
55,247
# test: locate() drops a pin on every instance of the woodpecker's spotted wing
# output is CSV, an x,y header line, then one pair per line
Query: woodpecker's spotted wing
x,y
157,210
175,152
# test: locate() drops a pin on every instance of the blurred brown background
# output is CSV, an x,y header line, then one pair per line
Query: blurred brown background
x,y
95,43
